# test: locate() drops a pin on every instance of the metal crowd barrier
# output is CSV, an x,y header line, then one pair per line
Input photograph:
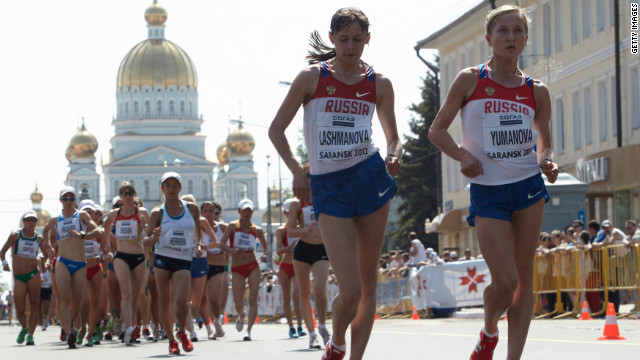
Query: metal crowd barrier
x,y
586,273
393,295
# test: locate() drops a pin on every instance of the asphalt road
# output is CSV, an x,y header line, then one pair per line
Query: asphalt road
x,y
452,338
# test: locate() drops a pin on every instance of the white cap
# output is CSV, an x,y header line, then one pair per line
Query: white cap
x,y
115,200
170,175
67,189
453,254
87,204
434,255
245,203
606,223
287,204
30,213
429,250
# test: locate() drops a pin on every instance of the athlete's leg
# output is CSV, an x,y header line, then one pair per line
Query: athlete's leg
x,y
95,291
370,231
138,280
20,301
237,286
295,295
33,289
76,289
303,270
63,285
320,270
254,288
526,224
124,276
285,285
197,287
115,296
163,278
181,284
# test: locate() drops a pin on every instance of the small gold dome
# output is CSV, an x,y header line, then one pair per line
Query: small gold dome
x,y
222,152
241,142
155,14
82,145
36,196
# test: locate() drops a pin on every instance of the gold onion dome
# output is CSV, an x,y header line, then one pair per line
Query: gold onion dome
x,y
155,14
43,215
82,145
156,61
222,152
240,142
36,196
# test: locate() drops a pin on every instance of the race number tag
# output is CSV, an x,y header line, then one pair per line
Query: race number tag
x,y
127,230
344,135
28,249
508,135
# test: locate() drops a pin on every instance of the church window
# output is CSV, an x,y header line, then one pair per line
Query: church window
x,y
205,189
84,192
182,107
147,107
172,108
159,106
155,32
135,108
146,189
243,191
126,108
116,186
190,107
190,187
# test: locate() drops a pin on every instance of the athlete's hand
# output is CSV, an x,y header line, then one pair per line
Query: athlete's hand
x,y
6,267
393,165
263,258
155,234
302,186
470,166
550,170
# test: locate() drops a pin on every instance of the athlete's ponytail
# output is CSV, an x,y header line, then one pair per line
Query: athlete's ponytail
x,y
340,20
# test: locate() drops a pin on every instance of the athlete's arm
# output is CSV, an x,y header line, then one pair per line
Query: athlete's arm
x,y
153,229
300,91
460,91
386,115
11,240
206,228
43,248
108,223
51,234
195,213
292,220
228,232
541,124
280,249
263,242
93,231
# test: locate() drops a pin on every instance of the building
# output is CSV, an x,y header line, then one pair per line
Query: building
x,y
157,124
83,175
571,49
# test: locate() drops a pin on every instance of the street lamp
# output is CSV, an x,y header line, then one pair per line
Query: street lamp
x,y
269,232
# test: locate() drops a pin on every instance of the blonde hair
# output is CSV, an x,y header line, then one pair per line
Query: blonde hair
x,y
188,198
493,16
126,185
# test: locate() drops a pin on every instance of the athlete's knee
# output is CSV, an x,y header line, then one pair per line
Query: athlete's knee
x,y
351,297
505,287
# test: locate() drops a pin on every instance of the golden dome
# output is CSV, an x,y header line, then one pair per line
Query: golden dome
x,y
222,152
155,14
36,196
82,145
240,142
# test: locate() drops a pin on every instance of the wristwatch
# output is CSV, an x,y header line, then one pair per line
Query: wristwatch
x,y
82,234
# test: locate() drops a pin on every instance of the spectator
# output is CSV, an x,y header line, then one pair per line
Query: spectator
x,y
583,238
633,233
453,256
597,234
570,235
614,236
467,255
578,226
446,256
417,250
435,260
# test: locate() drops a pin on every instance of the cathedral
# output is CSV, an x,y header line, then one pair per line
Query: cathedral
x,y
157,129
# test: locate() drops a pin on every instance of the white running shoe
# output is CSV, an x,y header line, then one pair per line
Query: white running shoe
x,y
247,336
325,334
127,335
313,342
193,336
219,331
240,324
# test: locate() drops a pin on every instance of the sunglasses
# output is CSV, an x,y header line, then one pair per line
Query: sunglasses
x,y
126,193
30,220
70,198
98,213
217,213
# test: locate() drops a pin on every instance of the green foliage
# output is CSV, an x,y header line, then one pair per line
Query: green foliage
x,y
417,182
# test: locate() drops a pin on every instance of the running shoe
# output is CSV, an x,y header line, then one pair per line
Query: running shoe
x,y
29,340
173,348
292,333
331,353
99,332
146,333
193,336
127,335
21,336
156,334
484,347
163,335
247,336
200,323
219,331
71,339
314,344
117,327
325,334
110,324
44,327
63,336
96,339
239,324
108,336
186,343
135,335
301,331
89,341
80,337
211,335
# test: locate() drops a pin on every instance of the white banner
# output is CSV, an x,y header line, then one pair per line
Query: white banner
x,y
454,284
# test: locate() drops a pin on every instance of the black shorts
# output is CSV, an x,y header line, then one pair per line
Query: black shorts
x,y
171,264
215,270
45,294
133,260
309,253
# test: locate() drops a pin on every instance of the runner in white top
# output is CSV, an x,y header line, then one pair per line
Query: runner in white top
x,y
174,231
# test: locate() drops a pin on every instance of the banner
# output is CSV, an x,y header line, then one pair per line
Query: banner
x,y
454,284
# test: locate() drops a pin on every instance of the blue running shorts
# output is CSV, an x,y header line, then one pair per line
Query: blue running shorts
x,y
356,191
499,201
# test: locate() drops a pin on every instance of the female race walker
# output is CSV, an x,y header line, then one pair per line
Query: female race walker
x,y
242,235
127,223
218,276
26,277
507,190
68,232
286,273
175,230
350,182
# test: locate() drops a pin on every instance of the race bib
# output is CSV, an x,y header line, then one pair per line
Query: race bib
x,y
177,242
344,135
308,216
508,135
28,249
127,230
91,249
243,241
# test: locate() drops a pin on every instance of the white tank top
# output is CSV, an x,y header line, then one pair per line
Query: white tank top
x,y
177,234
46,279
26,247
92,248
206,240
65,225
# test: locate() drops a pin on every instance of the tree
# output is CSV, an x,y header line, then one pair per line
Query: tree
x,y
417,182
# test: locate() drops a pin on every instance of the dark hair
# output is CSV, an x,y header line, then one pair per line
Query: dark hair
x,y
214,204
413,235
593,224
585,237
340,20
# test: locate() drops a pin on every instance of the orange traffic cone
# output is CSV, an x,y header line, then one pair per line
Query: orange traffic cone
x,y
313,313
376,317
257,320
584,315
611,331
414,315
226,319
